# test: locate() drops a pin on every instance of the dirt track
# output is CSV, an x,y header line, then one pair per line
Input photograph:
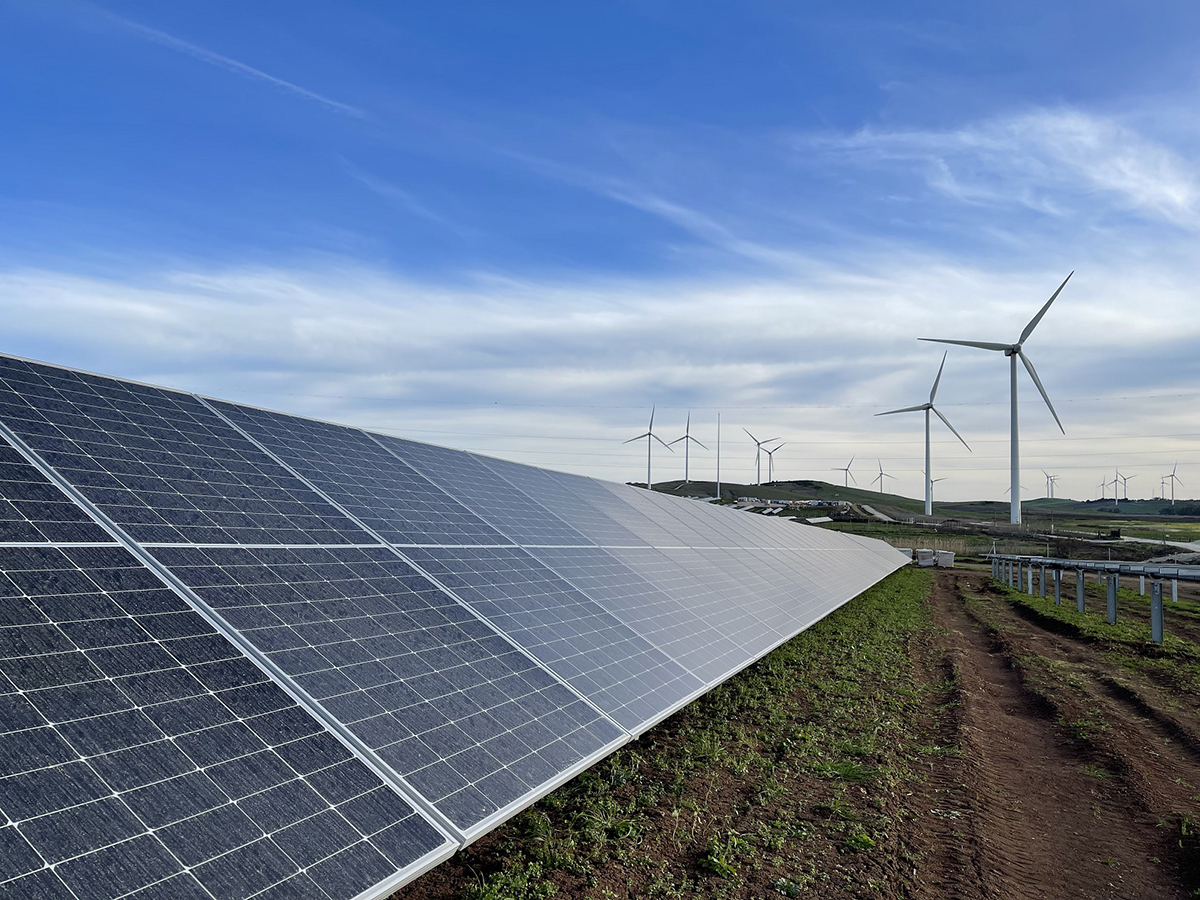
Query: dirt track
x,y
1041,812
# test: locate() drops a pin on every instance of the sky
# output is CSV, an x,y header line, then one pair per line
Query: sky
x,y
516,227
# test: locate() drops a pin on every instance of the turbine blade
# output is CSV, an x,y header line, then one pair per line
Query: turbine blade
x,y
696,441
946,422
849,464
933,393
855,480
982,345
892,412
752,437
1034,375
1033,323
638,438
652,408
661,441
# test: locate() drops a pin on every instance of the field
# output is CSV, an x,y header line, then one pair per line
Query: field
x,y
940,736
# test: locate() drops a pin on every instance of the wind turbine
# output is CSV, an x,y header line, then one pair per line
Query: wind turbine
x,y
771,461
758,451
849,476
1013,351
1125,482
1050,480
1174,478
650,437
1103,485
687,441
928,408
934,481
881,476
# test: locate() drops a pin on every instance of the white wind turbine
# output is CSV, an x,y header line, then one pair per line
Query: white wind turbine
x,y
1013,351
849,476
1174,478
934,481
881,476
928,408
771,461
650,437
1050,482
687,440
758,452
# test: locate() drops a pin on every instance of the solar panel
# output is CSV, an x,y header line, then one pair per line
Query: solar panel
x,y
513,514
385,493
142,755
160,464
552,490
34,510
468,720
589,648
313,659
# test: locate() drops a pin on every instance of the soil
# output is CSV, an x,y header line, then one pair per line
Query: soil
x,y
1052,771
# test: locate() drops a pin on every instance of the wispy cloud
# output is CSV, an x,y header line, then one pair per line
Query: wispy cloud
x,y
401,197
232,65
1044,159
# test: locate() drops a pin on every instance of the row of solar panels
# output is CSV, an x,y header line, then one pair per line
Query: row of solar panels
x,y
249,655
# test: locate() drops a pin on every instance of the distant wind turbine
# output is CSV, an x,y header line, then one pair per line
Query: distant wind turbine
x,y
1050,481
1013,351
1125,482
928,408
758,452
687,441
1174,478
849,476
771,461
934,481
650,437
881,476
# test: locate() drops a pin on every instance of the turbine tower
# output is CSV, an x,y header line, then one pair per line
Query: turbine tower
x,y
758,452
1013,351
687,441
849,476
650,437
1174,478
928,408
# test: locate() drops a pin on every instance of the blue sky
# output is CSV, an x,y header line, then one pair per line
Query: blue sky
x,y
515,227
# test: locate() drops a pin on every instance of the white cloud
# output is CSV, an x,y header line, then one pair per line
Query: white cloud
x,y
558,373
1044,159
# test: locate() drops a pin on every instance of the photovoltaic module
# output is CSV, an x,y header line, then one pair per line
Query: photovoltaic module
x,y
245,654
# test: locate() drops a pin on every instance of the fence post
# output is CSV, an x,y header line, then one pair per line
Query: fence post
x,y
1112,598
1142,585
1029,579
1156,611
1174,590
1058,587
1042,583
1080,589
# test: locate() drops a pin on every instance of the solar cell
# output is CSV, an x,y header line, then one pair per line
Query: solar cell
x,y
160,464
514,515
467,719
142,755
588,647
382,491
33,509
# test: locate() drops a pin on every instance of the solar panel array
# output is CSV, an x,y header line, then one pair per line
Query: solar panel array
x,y
249,655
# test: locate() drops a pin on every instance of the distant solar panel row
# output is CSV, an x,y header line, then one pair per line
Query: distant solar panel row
x,y
249,655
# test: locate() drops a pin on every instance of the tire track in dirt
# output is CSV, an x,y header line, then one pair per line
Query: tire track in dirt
x,y
1040,827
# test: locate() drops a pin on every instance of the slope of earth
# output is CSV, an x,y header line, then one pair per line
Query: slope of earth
x,y
938,737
